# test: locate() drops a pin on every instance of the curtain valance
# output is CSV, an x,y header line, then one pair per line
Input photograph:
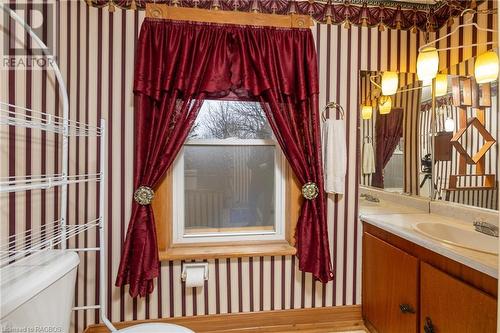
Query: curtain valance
x,y
227,58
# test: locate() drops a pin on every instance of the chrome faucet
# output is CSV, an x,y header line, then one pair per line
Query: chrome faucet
x,y
485,228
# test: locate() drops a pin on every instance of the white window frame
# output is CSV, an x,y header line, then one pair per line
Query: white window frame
x,y
178,230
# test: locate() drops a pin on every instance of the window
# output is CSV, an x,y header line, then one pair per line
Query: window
x,y
229,179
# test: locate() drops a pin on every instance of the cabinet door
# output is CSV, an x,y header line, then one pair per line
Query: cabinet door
x,y
389,287
451,306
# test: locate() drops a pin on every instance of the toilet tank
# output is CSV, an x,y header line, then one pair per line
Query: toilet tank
x,y
36,293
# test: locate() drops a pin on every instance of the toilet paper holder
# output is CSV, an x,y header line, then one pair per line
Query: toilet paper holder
x,y
187,265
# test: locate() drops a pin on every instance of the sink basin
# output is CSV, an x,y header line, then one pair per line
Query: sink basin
x,y
457,236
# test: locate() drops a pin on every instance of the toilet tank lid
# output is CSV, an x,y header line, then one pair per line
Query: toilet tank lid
x,y
24,279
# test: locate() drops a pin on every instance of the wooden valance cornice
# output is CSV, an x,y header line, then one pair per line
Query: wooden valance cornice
x,y
390,14
164,11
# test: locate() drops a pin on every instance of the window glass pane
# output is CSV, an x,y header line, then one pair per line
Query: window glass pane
x,y
229,188
230,119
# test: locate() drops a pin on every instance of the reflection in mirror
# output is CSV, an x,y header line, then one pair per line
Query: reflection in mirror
x,y
393,171
425,144
466,157
388,130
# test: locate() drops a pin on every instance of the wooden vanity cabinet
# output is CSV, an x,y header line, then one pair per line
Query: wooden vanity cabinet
x,y
407,288
390,287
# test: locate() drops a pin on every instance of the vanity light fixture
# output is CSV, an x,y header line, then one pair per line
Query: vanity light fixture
x,y
441,84
486,67
427,63
366,112
390,83
384,104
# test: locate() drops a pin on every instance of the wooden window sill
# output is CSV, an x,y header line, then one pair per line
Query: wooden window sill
x,y
162,207
221,250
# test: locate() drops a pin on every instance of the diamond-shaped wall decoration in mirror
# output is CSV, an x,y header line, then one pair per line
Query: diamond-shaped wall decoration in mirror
x,y
488,141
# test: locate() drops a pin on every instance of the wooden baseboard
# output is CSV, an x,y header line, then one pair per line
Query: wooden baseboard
x,y
316,320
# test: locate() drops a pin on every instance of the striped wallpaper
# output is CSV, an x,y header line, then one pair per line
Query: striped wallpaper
x,y
95,49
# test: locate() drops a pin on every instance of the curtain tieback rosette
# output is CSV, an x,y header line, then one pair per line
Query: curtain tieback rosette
x,y
310,190
144,195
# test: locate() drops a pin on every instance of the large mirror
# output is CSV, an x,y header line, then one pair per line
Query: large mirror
x,y
465,131
441,146
389,133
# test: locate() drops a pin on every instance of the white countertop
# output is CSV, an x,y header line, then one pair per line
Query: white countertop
x,y
398,220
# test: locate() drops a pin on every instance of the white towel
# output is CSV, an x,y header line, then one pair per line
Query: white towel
x,y
334,155
368,158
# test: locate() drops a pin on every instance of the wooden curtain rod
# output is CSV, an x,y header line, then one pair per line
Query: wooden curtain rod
x,y
163,11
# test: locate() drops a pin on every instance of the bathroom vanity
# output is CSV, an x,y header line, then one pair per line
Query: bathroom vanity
x,y
428,208
415,283
407,288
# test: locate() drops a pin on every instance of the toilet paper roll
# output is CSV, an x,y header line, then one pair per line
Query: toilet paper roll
x,y
195,276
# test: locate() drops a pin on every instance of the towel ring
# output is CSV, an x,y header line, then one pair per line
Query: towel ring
x,y
332,105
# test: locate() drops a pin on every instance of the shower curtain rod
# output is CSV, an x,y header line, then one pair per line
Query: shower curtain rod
x,y
163,11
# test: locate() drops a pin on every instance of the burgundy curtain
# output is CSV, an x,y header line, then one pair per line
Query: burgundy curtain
x,y
178,65
388,133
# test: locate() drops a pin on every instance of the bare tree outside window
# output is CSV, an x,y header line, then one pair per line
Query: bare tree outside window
x,y
228,119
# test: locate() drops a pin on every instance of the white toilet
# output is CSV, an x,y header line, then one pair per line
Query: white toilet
x,y
38,292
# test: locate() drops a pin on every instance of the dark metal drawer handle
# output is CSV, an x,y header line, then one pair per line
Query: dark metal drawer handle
x,y
406,308
428,327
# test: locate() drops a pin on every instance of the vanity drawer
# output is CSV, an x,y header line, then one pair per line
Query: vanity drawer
x,y
390,287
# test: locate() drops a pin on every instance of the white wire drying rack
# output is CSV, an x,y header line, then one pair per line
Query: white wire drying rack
x,y
56,233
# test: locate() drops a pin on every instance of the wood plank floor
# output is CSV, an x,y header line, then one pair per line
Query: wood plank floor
x,y
339,319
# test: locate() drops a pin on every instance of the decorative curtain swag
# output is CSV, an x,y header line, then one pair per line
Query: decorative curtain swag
x,y
179,64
